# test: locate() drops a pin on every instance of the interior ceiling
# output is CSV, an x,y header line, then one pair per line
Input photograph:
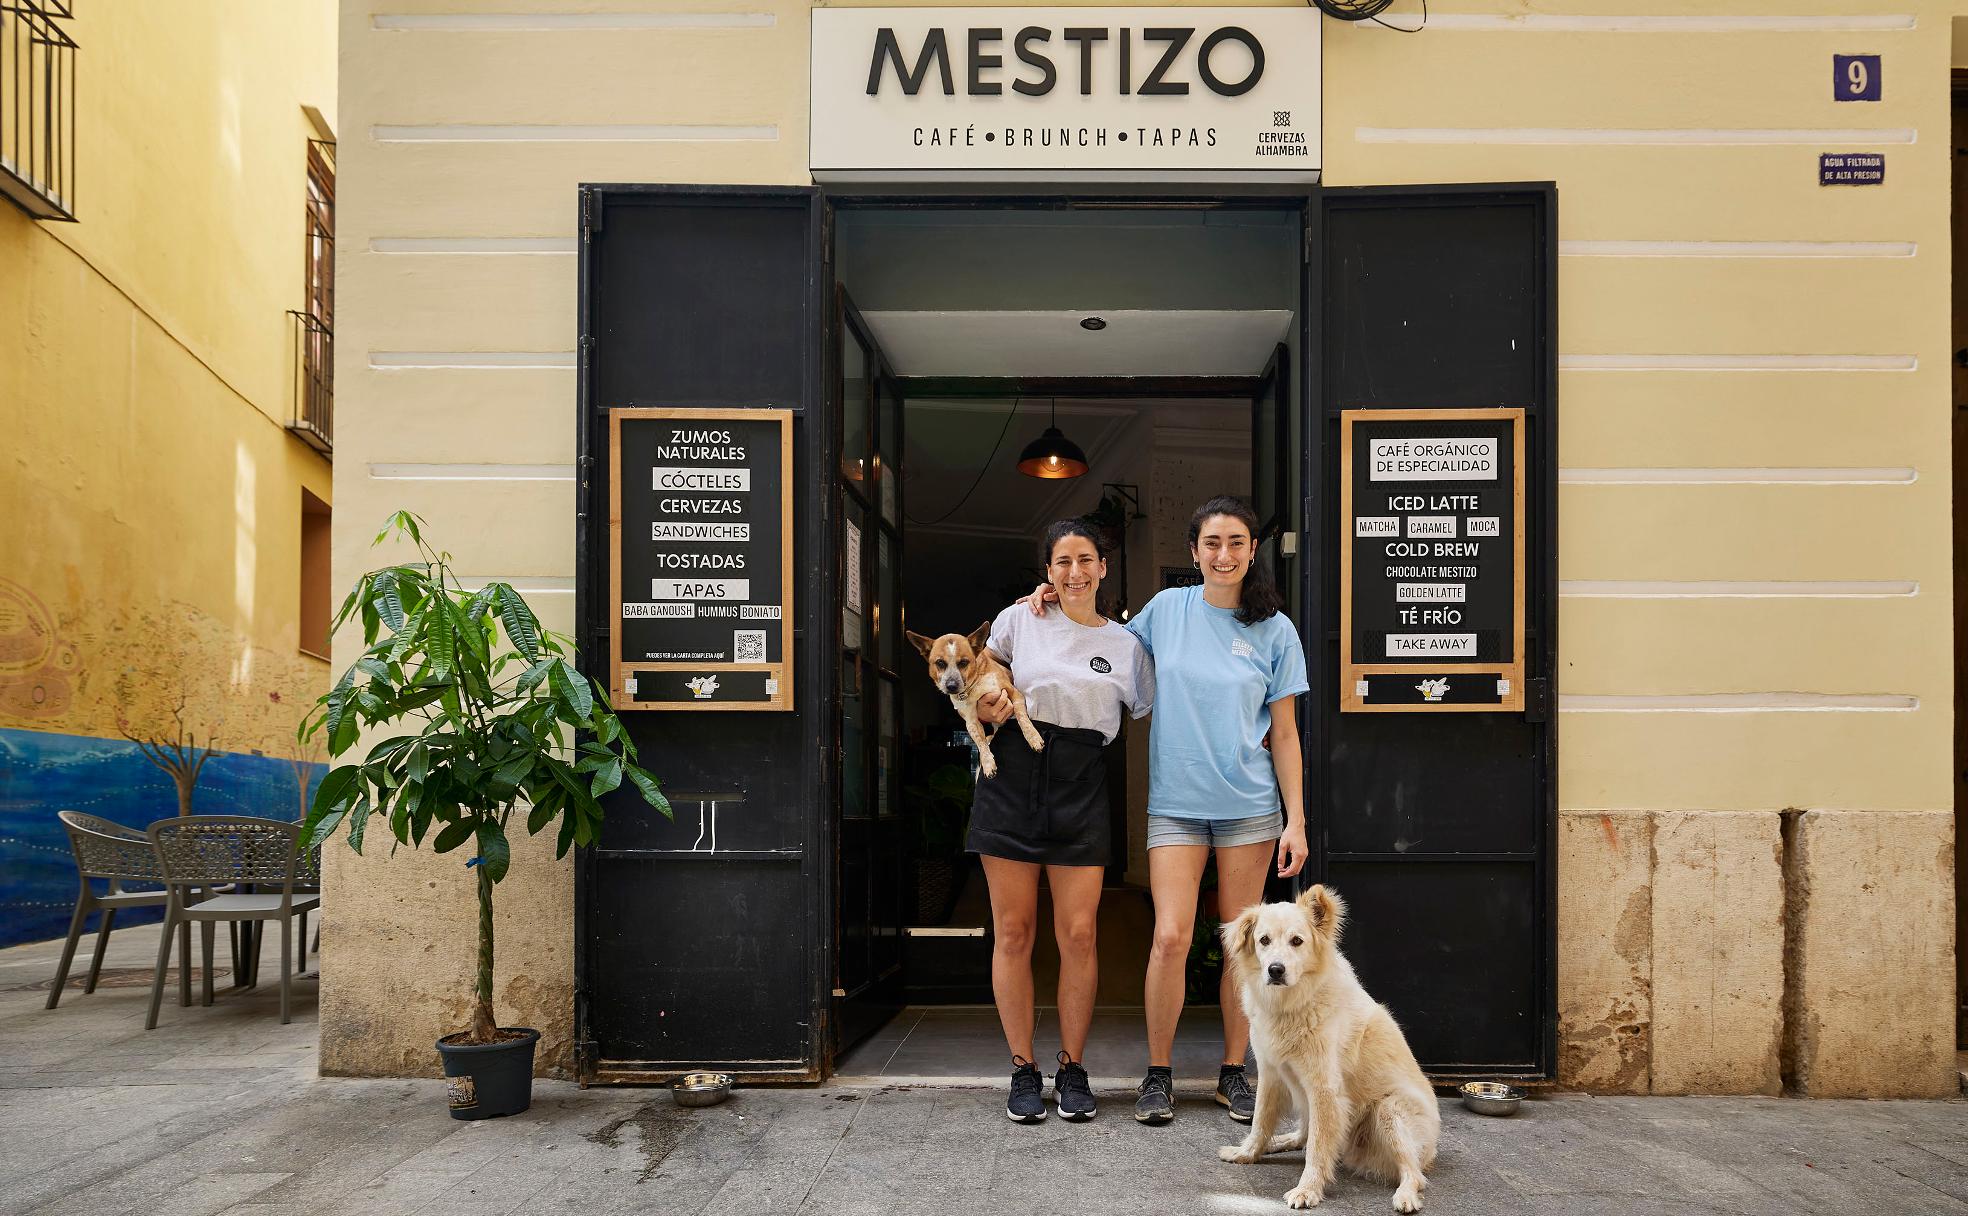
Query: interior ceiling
x,y
1161,342
949,441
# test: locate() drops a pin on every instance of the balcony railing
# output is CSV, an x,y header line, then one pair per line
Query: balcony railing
x,y
313,417
37,107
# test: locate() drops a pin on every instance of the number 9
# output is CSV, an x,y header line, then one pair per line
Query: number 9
x,y
1856,76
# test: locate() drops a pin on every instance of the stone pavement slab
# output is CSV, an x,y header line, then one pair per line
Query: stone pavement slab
x,y
218,1112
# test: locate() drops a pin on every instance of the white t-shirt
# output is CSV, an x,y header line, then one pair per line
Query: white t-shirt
x,y
1073,675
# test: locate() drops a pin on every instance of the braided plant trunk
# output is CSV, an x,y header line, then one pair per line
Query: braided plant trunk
x,y
484,1029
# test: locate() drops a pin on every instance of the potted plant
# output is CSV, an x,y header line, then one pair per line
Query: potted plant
x,y
498,729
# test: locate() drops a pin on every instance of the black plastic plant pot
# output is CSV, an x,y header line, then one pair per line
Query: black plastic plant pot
x,y
486,1080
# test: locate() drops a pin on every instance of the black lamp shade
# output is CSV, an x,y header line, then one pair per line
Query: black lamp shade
x,y
1052,456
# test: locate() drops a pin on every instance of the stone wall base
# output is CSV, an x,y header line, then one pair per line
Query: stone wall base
x,y
1737,952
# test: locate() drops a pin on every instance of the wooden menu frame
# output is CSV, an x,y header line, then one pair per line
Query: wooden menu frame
x,y
782,671
1351,671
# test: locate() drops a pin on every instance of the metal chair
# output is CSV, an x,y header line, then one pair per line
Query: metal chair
x,y
203,851
109,851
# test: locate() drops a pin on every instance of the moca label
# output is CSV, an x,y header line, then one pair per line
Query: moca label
x,y
1140,94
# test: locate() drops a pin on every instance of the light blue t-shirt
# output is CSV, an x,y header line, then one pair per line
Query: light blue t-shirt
x,y
1215,680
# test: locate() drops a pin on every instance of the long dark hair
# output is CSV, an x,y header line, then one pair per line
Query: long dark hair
x,y
1261,598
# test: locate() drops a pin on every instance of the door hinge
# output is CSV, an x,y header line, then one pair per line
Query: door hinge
x,y
1537,700
590,215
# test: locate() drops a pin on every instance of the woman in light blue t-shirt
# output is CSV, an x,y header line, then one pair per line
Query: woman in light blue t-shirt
x,y
1224,773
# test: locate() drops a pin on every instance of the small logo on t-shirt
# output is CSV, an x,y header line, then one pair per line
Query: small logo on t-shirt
x,y
1100,665
1240,648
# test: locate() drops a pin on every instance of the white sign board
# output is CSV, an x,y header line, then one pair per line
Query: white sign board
x,y
1065,94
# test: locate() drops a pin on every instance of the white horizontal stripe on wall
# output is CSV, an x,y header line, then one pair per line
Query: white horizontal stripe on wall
x,y
1737,477
472,472
1568,23
472,244
400,360
1738,703
1665,589
551,22
1738,363
1730,136
631,133
1737,249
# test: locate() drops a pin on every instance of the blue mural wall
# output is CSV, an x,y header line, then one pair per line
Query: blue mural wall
x,y
42,774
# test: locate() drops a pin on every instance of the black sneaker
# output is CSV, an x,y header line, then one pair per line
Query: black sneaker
x,y
1234,1091
1070,1091
1157,1101
1027,1104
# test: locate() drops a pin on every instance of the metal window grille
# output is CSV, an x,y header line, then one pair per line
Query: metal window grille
x,y
314,326
37,107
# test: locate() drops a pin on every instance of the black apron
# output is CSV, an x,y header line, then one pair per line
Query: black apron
x,y
1047,807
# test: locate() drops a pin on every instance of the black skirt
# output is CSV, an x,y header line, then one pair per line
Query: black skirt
x,y
1047,807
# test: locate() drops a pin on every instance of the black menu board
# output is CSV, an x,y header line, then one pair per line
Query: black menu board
x,y
701,560
1432,560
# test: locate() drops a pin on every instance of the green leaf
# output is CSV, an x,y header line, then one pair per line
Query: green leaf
x,y
534,674
442,647
494,849
455,833
388,599
608,727
325,828
650,790
417,767
543,811
566,836
573,689
334,793
358,820
608,778
522,627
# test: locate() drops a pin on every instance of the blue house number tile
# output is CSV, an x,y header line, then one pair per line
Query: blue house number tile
x,y
1855,78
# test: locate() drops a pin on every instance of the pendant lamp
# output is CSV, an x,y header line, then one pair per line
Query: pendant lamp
x,y
1052,456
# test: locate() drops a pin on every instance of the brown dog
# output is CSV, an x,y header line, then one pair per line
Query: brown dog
x,y
965,670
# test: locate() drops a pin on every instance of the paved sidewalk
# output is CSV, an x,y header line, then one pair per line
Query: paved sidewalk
x,y
219,1111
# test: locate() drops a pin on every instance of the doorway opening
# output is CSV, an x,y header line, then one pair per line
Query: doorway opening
x,y
1162,344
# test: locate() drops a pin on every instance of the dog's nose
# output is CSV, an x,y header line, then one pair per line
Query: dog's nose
x,y
1277,973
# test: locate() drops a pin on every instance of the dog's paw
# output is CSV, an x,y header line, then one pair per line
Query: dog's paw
x,y
987,766
1301,1197
1037,742
1236,1154
1408,1199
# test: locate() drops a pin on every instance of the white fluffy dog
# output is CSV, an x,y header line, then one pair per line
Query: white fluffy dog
x,y
1327,1049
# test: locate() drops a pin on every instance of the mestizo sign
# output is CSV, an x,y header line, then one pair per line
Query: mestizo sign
x,y
1144,94
700,558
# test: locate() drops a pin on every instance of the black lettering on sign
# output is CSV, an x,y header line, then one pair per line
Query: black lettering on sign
x,y
934,49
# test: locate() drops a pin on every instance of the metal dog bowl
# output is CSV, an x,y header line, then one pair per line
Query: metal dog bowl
x,y
701,1088
1491,1097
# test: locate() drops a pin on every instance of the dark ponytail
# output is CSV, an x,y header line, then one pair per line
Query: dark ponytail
x,y
1261,598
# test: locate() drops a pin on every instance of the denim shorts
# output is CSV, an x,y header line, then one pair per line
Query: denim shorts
x,y
1167,829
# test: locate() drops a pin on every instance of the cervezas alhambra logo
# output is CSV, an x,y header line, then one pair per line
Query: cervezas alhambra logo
x,y
702,687
1433,690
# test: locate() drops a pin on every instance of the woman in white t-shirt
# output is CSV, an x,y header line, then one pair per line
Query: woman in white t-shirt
x,y
1081,675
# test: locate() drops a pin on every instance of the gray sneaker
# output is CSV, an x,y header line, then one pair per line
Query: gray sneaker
x,y
1157,1101
1234,1092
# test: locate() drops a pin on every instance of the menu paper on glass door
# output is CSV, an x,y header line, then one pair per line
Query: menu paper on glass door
x,y
1061,94
1432,560
700,558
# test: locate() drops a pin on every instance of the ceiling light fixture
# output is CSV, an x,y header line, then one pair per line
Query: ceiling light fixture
x,y
1052,456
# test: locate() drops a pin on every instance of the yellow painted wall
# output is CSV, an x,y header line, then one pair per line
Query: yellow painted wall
x,y
1754,641
151,498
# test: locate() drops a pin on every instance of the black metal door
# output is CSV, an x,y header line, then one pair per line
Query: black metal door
x,y
1440,829
867,985
707,941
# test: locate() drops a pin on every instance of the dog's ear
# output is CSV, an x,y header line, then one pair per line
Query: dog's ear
x,y
979,637
1239,935
1324,909
921,641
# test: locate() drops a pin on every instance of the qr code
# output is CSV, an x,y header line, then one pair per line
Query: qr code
x,y
748,646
